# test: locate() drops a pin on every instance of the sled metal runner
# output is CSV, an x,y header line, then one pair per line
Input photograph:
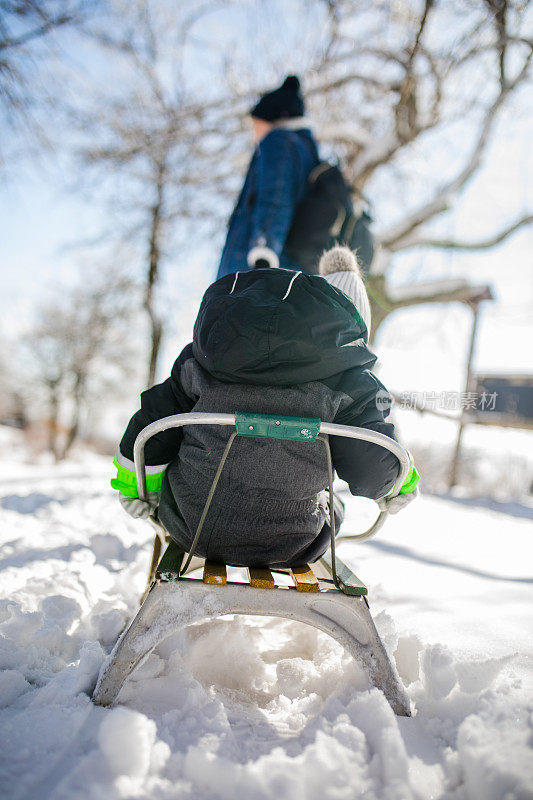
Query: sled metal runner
x,y
327,595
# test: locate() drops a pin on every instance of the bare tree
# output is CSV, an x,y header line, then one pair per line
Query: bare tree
x,y
47,345
28,30
390,85
78,350
168,163
12,403
404,88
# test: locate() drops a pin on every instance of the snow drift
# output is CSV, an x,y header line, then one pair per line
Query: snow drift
x,y
254,707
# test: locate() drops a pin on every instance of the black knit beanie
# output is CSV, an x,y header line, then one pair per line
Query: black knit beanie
x,y
282,103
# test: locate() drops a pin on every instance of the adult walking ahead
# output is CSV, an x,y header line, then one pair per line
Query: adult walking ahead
x,y
276,181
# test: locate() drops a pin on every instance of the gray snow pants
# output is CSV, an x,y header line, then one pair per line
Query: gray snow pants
x,y
256,543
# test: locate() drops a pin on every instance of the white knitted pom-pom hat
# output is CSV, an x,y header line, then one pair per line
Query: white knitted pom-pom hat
x,y
340,268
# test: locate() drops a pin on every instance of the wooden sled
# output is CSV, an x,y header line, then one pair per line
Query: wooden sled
x,y
327,596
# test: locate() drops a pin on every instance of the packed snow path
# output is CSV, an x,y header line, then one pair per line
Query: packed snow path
x,y
260,708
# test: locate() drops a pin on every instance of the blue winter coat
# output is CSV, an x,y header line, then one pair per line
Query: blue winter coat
x,y
274,185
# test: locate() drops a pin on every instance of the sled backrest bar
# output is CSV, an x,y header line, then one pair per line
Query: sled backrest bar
x,y
265,425
206,418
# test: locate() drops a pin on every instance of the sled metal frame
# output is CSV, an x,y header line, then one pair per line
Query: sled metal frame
x,y
328,597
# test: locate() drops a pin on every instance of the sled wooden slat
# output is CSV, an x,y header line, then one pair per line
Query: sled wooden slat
x,y
215,574
260,578
305,579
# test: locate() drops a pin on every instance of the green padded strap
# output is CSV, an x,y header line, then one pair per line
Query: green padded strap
x,y
411,481
126,481
271,426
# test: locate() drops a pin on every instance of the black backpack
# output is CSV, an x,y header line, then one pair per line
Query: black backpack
x,y
324,217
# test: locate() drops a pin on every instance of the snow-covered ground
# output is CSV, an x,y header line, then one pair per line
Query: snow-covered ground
x,y
251,708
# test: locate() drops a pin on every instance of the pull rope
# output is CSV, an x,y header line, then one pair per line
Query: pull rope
x,y
208,502
331,511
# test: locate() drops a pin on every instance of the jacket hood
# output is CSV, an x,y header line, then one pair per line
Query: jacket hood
x,y
278,327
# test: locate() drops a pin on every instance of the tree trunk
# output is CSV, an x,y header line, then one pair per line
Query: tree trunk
x,y
454,469
380,305
53,422
72,435
154,256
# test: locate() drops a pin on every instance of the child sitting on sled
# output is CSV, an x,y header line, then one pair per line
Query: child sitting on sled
x,y
269,341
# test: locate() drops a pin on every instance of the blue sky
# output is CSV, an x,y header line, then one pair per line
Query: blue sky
x,y
39,217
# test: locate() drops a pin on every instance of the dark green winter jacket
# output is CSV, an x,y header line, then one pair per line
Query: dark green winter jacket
x,y
268,341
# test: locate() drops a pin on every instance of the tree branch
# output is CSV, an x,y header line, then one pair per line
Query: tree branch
x,y
339,81
41,30
486,244
420,31
395,238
